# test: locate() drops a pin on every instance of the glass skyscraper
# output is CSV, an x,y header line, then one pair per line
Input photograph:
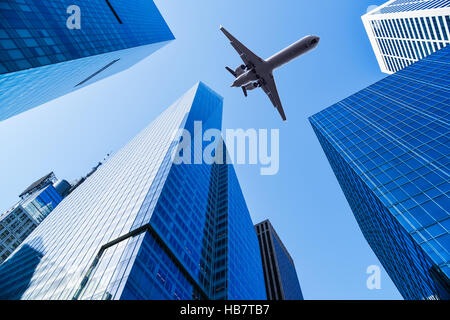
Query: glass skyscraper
x,y
279,268
144,227
42,59
404,31
389,148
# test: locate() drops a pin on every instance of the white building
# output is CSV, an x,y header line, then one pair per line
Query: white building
x,y
404,31
15,225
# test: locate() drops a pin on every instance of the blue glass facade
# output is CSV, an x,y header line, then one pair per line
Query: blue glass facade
x,y
143,227
388,146
243,256
41,204
279,269
42,59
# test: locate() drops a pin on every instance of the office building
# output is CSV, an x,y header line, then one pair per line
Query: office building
x,y
144,227
36,203
41,58
388,146
405,31
279,270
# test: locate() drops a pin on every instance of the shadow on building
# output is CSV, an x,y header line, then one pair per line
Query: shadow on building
x,y
23,263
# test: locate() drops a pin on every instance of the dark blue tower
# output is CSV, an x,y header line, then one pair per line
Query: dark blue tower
x,y
280,274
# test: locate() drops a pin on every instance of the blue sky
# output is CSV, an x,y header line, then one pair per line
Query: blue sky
x,y
304,201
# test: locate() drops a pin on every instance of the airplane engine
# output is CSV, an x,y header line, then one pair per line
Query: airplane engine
x,y
240,70
252,86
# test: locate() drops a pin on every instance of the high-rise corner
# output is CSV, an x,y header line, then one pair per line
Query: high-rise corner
x,y
41,58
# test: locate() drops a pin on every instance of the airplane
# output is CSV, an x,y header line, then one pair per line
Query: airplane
x,y
258,73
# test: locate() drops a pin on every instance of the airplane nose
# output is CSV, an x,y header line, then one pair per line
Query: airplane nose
x,y
315,41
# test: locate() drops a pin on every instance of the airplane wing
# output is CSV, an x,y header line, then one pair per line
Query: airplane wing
x,y
249,58
270,88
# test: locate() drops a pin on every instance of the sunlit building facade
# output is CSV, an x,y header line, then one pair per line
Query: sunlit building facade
x,y
41,58
280,274
144,227
404,31
389,149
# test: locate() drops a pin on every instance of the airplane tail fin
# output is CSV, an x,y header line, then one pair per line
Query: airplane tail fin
x,y
245,91
231,71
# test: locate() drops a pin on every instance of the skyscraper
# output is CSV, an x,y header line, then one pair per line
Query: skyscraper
x,y
36,203
279,270
388,146
404,31
143,227
41,58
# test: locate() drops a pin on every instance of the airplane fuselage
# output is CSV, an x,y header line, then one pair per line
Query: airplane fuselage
x,y
292,52
279,59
